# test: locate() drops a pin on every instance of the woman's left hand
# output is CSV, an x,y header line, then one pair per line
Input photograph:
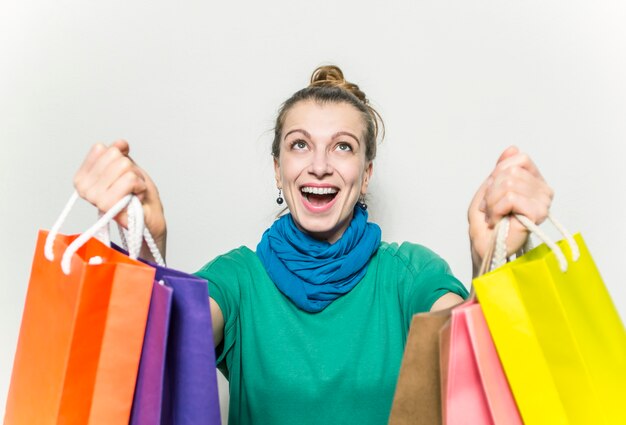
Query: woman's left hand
x,y
515,186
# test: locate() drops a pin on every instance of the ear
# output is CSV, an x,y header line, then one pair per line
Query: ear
x,y
369,169
277,173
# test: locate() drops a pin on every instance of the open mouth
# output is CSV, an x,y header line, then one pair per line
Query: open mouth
x,y
319,196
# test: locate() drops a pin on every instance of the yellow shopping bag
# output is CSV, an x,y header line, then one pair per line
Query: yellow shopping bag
x,y
558,335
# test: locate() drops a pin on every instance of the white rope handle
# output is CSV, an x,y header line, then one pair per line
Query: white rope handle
x,y
135,227
54,231
152,246
103,235
573,246
500,253
136,232
89,233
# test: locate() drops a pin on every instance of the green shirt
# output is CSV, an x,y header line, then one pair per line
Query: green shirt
x,y
338,366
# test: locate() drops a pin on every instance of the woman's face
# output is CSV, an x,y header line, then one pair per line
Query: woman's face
x,y
322,169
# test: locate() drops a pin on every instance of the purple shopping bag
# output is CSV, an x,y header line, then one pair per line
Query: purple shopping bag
x,y
177,381
148,399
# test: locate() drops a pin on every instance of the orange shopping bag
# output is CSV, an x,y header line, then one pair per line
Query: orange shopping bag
x,y
81,336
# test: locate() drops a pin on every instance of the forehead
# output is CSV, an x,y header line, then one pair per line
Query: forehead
x,y
324,118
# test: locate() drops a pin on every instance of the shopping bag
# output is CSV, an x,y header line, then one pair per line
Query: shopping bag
x,y
558,334
474,387
177,382
81,334
421,381
148,399
417,398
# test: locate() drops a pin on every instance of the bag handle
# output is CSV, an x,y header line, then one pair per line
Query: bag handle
x,y
136,232
496,256
103,235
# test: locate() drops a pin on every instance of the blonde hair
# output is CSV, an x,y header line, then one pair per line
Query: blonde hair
x,y
328,85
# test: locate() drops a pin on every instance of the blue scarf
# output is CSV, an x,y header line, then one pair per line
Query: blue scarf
x,y
313,273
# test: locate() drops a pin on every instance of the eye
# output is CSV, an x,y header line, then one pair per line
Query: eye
x,y
344,147
298,145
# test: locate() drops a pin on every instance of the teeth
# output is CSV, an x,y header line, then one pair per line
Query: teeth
x,y
318,190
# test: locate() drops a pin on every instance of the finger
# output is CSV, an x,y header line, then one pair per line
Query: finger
x,y
119,169
98,178
515,201
480,194
516,183
486,189
512,179
521,181
515,198
122,145
482,207
130,182
122,178
534,207
93,155
519,160
125,184
508,152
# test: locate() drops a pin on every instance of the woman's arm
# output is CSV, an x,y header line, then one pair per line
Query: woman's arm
x,y
515,186
217,319
445,301
107,175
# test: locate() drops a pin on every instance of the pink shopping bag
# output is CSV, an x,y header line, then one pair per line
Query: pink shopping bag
x,y
474,387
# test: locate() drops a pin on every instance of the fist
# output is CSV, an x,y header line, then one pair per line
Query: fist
x,y
515,186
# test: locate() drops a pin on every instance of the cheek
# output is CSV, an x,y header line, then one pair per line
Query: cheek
x,y
289,171
355,173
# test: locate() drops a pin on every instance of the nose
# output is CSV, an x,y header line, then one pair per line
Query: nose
x,y
320,164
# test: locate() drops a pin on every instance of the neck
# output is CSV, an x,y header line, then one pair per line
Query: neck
x,y
331,236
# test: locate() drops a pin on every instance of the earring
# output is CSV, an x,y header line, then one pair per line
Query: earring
x,y
280,199
362,203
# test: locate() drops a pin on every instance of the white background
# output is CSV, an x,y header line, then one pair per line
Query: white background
x,y
194,86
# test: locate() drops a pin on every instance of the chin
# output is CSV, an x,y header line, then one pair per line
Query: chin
x,y
326,229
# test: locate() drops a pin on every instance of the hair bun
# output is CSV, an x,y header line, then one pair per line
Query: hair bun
x,y
332,76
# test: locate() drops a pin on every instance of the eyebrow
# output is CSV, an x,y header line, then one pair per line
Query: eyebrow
x,y
306,133
339,133
346,133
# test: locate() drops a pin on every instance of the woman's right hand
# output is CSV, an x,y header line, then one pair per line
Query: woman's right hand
x,y
108,174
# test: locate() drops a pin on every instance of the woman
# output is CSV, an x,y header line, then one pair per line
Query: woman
x,y
311,327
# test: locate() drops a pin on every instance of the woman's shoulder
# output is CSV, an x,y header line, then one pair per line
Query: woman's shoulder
x,y
231,261
414,258
407,252
420,275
